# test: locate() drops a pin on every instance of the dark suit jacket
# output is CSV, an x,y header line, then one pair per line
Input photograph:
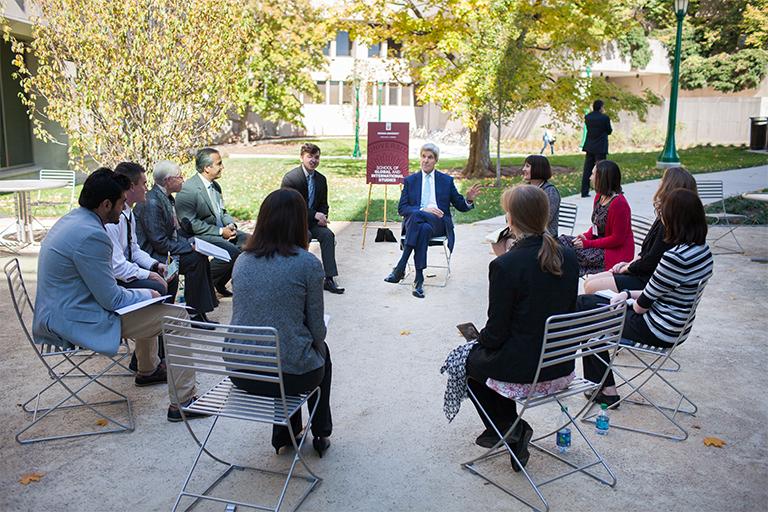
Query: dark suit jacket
x,y
193,203
445,194
296,180
155,230
598,130
520,299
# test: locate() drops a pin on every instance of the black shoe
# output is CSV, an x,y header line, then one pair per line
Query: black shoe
x,y
418,289
202,318
134,364
489,437
174,414
159,376
330,286
320,444
395,276
223,291
520,448
601,398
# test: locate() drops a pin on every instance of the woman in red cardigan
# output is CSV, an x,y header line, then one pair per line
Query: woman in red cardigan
x,y
609,240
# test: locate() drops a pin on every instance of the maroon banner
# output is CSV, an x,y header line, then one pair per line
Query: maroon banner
x,y
387,153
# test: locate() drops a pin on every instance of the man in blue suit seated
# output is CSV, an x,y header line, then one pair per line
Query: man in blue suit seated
x,y
77,294
425,205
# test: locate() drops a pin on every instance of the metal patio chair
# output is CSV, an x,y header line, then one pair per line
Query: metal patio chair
x,y
711,192
58,174
61,363
437,241
566,217
567,337
188,344
650,373
640,227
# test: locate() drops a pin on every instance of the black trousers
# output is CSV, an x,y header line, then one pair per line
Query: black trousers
x,y
221,271
198,283
589,163
635,329
322,424
327,248
503,411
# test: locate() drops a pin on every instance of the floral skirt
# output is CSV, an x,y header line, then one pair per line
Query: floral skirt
x,y
591,260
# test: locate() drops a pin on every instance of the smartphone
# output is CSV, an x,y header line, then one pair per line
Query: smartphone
x,y
469,331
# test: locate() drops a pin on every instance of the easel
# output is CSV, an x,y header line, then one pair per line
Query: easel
x,y
367,209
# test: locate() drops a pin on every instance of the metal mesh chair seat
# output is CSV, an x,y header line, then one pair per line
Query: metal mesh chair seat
x,y
243,352
577,386
226,399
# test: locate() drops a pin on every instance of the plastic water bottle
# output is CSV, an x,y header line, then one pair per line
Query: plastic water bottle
x,y
180,292
564,434
602,422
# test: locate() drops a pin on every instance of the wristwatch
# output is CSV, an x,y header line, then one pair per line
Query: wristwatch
x,y
629,293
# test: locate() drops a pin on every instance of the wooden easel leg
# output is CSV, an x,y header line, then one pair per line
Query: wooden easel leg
x,y
367,207
385,204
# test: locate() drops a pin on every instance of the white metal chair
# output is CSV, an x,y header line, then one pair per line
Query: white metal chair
x,y
640,228
66,362
711,192
58,174
235,351
650,372
567,337
566,217
437,241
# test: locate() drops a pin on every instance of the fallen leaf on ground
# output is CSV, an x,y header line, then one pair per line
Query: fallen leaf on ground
x,y
696,426
714,441
102,422
405,333
27,478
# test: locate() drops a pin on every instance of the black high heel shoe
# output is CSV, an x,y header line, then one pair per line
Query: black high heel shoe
x,y
320,444
521,448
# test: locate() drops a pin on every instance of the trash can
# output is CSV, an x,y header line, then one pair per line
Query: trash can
x,y
758,133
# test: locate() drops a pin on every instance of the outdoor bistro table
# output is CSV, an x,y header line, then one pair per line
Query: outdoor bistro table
x,y
23,207
763,198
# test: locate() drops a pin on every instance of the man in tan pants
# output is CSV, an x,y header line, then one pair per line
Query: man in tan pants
x,y
77,295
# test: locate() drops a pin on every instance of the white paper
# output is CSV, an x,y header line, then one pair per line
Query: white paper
x,y
495,236
609,294
209,249
327,320
138,305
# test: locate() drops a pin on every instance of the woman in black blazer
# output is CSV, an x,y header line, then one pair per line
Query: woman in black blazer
x,y
536,279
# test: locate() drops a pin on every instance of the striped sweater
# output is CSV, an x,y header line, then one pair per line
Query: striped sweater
x,y
671,292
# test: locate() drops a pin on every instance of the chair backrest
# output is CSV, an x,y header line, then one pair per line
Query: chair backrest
x,y
710,191
572,336
61,174
567,217
244,352
22,304
640,227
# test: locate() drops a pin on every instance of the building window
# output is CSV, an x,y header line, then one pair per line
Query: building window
x,y
333,94
394,94
394,49
327,49
321,90
15,128
405,99
343,44
374,51
348,93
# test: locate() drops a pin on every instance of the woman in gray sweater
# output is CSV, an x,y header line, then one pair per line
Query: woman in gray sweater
x,y
277,283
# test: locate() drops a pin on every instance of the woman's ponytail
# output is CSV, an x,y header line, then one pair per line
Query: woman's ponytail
x,y
551,255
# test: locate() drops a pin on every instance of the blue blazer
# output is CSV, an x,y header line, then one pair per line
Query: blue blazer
x,y
445,194
76,291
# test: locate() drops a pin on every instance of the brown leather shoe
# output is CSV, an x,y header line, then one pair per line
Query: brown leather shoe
x,y
174,414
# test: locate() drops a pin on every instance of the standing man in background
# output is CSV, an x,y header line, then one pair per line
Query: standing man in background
x,y
314,188
596,144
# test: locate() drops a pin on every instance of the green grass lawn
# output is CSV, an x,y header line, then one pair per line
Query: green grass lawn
x,y
247,181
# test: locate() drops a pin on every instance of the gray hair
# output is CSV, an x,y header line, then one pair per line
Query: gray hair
x,y
165,169
432,148
204,158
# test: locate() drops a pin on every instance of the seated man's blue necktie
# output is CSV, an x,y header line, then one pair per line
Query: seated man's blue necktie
x,y
311,190
426,191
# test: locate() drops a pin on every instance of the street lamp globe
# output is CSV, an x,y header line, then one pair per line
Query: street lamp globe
x,y
681,7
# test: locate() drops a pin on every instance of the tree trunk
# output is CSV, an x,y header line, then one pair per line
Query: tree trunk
x,y
479,162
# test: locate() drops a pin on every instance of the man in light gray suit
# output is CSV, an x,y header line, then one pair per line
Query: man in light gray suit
x,y
77,294
201,213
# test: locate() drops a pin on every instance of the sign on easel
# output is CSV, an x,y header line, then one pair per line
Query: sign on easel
x,y
387,162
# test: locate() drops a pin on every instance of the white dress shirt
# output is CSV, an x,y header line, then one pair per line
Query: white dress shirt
x,y
138,267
